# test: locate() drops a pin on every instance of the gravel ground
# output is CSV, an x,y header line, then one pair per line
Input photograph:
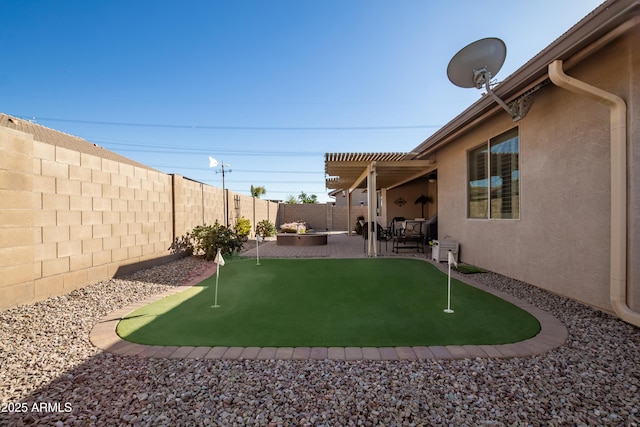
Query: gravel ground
x,y
52,375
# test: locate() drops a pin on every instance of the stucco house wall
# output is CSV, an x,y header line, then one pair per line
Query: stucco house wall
x,y
358,197
561,240
409,192
632,51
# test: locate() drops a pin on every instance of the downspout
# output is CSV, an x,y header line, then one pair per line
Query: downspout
x,y
618,117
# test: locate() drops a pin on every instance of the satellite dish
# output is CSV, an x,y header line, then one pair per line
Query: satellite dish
x,y
474,66
476,63
212,162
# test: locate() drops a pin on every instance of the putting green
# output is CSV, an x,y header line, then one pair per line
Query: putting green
x,y
375,302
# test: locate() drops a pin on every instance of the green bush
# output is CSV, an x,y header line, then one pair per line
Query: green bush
x,y
265,228
205,240
242,227
182,245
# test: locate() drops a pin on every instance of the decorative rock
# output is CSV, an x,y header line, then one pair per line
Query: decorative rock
x,y
49,365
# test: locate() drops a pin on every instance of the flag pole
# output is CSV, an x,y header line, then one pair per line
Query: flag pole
x,y
215,303
257,249
219,262
450,259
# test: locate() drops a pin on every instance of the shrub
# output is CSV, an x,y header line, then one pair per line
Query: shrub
x,y
205,240
265,228
242,227
182,245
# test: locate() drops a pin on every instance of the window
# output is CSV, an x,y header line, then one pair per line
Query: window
x,y
478,206
494,178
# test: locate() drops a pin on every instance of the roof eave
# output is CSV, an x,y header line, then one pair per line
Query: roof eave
x,y
607,17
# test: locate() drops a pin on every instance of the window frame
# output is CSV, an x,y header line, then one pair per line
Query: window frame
x,y
486,147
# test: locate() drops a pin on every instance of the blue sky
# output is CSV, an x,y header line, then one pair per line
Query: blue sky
x,y
265,86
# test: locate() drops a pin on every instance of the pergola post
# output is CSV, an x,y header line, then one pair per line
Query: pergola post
x,y
372,249
349,214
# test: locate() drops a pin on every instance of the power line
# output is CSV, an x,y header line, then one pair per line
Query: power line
x,y
168,149
239,128
238,170
266,183
294,193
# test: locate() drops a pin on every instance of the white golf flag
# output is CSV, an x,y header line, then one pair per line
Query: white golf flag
x,y
452,259
212,162
218,259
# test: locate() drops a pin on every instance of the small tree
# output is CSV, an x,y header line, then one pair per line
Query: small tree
x,y
258,191
291,200
303,198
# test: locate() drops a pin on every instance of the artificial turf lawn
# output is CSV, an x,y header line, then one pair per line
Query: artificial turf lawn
x,y
376,302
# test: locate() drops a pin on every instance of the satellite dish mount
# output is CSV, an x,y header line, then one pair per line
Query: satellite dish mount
x,y
476,64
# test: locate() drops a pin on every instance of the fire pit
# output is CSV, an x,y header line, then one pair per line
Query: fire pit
x,y
306,239
298,234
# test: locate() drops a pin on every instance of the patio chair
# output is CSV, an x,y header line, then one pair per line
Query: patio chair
x,y
411,237
382,235
396,225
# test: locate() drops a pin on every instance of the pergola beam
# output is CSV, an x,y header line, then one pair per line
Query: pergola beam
x,y
362,177
351,175
409,179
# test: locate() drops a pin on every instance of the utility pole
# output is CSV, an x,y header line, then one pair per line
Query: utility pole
x,y
225,203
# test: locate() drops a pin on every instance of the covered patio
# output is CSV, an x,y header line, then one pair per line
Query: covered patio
x,y
377,173
339,245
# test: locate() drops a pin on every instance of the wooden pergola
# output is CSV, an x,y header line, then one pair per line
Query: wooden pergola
x,y
373,171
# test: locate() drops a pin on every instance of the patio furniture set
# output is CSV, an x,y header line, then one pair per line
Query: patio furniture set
x,y
404,234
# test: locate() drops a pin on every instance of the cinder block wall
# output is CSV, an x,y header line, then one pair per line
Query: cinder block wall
x,y
341,213
313,214
319,216
195,204
20,211
251,208
68,218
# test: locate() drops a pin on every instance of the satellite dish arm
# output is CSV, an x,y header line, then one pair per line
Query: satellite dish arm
x,y
487,86
518,109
